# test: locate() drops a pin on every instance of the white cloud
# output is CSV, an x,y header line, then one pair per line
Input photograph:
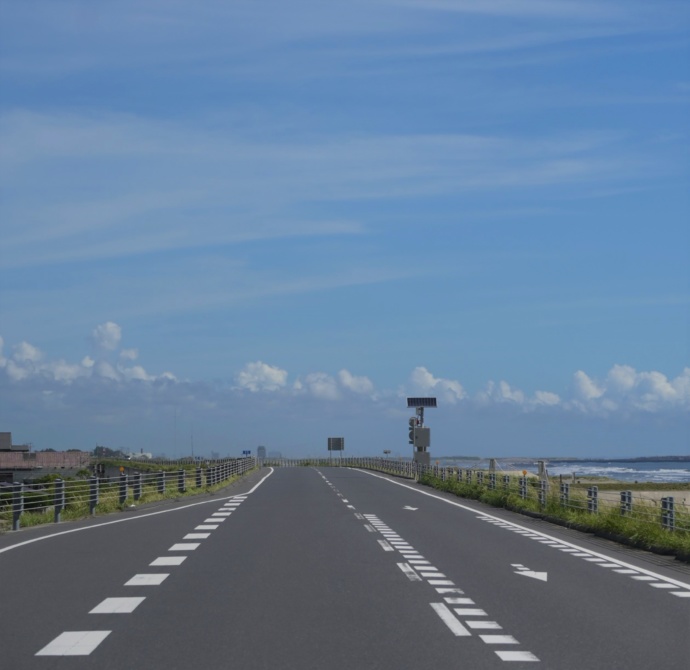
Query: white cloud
x,y
260,376
546,398
585,388
424,382
107,336
320,385
355,384
129,354
27,353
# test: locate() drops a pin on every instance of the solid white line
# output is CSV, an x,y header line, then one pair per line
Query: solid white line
x,y
447,617
515,525
74,643
409,572
117,605
155,579
130,518
168,560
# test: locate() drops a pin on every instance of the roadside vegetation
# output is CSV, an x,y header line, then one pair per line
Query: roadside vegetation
x,y
641,528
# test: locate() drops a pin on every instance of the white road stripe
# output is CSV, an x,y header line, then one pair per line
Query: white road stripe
x,y
168,560
460,601
681,594
643,578
447,617
463,611
74,643
662,586
184,546
155,579
499,639
369,528
208,526
483,625
196,536
118,605
625,571
440,582
385,545
432,575
516,656
453,590
409,572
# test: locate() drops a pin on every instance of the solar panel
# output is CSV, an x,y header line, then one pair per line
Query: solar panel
x,y
421,402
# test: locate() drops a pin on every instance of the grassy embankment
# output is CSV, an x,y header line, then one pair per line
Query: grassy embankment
x,y
642,528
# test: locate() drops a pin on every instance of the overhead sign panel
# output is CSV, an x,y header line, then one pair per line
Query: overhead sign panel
x,y
421,402
336,444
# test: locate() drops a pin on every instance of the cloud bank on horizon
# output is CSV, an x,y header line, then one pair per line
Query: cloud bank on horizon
x,y
623,390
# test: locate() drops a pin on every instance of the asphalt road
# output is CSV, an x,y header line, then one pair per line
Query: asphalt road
x,y
334,569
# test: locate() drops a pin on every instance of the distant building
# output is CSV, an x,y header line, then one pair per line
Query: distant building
x,y
261,452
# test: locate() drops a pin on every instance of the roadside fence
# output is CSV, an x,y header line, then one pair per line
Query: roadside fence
x,y
79,497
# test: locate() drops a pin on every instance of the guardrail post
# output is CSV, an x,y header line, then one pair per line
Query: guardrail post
x,y
543,485
480,478
506,482
492,481
522,482
565,494
93,495
468,476
17,504
160,477
668,513
59,498
137,486
123,488
198,478
626,502
180,481
593,499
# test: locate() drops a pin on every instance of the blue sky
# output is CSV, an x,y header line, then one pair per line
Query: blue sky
x,y
267,223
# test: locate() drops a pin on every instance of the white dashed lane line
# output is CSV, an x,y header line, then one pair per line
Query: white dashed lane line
x,y
74,643
458,612
82,643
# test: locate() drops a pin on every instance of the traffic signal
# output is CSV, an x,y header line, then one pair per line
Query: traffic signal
x,y
413,425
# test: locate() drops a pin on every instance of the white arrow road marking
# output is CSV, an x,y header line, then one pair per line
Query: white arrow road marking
x,y
522,570
414,509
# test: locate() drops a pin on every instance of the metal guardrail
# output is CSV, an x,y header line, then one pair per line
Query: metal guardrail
x,y
57,496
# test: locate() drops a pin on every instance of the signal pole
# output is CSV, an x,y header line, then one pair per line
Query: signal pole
x,y
419,434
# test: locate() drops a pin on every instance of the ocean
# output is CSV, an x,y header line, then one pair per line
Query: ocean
x,y
628,471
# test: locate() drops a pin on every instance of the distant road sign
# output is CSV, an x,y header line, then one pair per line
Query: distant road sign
x,y
421,402
246,452
336,444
